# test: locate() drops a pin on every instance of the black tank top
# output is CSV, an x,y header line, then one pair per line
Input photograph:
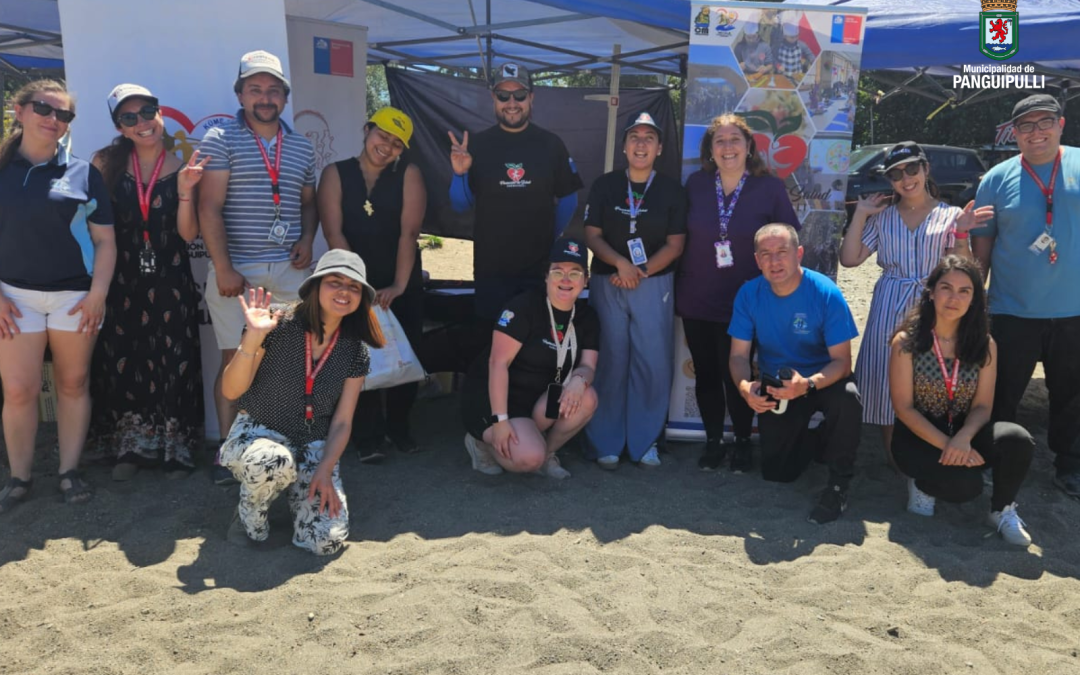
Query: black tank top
x,y
375,237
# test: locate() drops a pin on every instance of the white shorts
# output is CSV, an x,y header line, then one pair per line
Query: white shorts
x,y
226,314
45,310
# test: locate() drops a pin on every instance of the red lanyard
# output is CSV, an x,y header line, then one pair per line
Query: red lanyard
x,y
274,171
144,197
1048,192
310,375
950,383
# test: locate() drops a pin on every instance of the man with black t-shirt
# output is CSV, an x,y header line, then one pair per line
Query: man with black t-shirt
x,y
523,185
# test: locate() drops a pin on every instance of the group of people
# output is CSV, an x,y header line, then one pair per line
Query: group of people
x,y
107,252
787,55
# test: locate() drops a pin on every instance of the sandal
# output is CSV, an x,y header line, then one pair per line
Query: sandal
x,y
78,491
8,499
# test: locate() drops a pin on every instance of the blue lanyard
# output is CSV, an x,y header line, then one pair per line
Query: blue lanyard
x,y
635,204
726,211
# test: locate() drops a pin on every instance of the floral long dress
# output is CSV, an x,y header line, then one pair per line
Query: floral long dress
x,y
146,375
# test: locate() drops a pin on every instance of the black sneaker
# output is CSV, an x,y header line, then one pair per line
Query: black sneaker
x,y
371,451
405,444
831,504
222,476
713,457
742,456
1069,483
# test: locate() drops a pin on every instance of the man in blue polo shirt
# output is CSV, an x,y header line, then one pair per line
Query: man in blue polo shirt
x,y
1033,250
803,329
257,209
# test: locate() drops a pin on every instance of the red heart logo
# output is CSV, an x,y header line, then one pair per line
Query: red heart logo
x,y
786,154
515,174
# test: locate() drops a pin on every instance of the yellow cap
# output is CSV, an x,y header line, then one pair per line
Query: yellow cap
x,y
393,122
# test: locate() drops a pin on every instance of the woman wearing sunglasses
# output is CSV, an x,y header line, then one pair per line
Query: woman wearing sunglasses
x,y
910,231
56,261
146,378
373,205
530,393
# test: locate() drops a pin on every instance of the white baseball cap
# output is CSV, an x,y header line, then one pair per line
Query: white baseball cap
x,y
123,92
260,61
790,30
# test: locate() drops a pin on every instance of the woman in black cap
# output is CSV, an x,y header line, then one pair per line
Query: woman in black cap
x,y
296,377
530,393
910,230
635,225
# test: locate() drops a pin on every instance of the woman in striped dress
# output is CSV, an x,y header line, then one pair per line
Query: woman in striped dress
x,y
910,232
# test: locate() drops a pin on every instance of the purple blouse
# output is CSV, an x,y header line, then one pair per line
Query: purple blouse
x,y
702,291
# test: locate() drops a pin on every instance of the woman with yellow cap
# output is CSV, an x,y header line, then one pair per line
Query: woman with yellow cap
x,y
373,205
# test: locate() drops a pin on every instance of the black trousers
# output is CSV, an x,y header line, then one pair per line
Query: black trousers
x,y
1055,342
385,412
788,447
710,347
1006,447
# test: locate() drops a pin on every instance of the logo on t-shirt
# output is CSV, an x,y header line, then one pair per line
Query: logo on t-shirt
x,y
62,186
625,210
516,172
800,326
504,320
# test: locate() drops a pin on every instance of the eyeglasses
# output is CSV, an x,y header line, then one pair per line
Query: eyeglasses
x,y
1043,124
44,109
518,95
573,275
898,173
130,119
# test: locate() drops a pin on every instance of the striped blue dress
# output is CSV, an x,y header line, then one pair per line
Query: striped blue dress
x,y
906,258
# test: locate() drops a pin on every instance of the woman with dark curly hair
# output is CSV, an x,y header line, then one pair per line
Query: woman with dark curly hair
x,y
730,199
942,370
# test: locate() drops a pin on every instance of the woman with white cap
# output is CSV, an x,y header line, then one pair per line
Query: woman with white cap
x,y
635,225
374,205
910,230
792,57
296,377
146,378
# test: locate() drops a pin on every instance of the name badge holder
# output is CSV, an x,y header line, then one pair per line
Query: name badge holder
x,y
147,257
635,204
279,229
724,256
1046,239
310,375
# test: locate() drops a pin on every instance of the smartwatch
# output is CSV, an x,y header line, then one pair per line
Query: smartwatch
x,y
495,419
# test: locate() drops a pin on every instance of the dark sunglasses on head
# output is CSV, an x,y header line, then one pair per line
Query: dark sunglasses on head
x,y
898,173
519,95
130,119
44,109
1043,124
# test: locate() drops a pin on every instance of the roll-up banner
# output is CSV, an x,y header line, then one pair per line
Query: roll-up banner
x,y
792,72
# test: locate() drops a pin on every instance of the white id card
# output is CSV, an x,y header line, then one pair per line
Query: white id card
x,y
278,231
637,252
723,254
1040,243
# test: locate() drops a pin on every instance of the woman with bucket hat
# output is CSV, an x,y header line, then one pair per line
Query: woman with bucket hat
x,y
296,377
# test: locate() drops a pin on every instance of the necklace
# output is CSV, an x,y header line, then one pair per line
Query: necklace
x,y
368,207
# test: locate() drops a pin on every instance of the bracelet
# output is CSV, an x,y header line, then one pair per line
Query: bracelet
x,y
248,354
184,199
959,235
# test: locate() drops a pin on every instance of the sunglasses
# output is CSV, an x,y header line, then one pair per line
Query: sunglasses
x,y
573,275
1043,124
518,95
910,169
44,109
130,119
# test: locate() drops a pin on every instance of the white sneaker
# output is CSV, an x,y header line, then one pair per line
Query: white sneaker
x,y
650,459
608,462
1008,524
481,457
553,469
918,502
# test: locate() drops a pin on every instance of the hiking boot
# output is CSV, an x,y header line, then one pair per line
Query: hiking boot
x,y
831,503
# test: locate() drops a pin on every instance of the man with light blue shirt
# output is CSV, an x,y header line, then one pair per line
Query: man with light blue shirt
x,y
257,210
803,329
1031,248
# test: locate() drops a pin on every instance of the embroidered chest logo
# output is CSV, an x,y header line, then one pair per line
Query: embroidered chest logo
x,y
506,317
799,325
61,186
516,173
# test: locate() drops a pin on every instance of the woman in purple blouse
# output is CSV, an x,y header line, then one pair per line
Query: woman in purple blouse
x,y
729,199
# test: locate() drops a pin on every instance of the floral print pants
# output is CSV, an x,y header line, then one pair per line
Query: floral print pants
x,y
266,463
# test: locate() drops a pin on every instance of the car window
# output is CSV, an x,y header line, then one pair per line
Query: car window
x,y
863,157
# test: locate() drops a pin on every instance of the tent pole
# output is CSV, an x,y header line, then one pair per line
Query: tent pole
x,y
613,110
490,48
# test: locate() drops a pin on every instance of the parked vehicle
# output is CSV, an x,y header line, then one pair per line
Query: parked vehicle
x,y
955,170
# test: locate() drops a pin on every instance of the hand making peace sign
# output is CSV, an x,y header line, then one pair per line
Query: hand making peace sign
x,y
191,173
460,158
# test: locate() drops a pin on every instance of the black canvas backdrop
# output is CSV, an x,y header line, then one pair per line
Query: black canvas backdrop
x,y
438,104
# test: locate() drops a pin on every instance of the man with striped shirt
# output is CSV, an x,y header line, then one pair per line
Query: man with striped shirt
x,y
257,209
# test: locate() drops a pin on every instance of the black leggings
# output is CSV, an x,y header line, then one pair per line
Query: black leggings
x,y
710,347
1006,447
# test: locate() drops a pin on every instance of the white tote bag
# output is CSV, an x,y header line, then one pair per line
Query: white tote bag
x,y
396,362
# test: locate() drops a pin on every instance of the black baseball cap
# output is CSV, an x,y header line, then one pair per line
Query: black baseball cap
x,y
512,72
904,153
569,249
1034,103
643,119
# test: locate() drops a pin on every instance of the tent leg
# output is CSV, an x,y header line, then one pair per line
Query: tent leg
x,y
613,110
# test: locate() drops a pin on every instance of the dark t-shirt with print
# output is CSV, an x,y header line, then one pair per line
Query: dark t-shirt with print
x,y
516,178
662,213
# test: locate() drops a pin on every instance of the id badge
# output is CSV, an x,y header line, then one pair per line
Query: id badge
x,y
147,262
278,231
637,252
1040,243
723,255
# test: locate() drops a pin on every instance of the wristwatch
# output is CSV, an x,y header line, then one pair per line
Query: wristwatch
x,y
810,386
495,419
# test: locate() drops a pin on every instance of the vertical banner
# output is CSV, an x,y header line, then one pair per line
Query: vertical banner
x,y
792,72
188,55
